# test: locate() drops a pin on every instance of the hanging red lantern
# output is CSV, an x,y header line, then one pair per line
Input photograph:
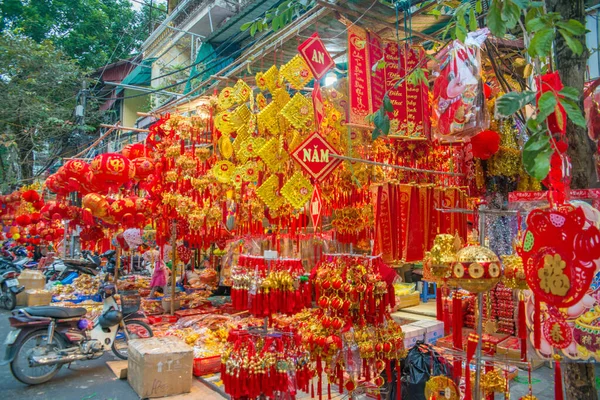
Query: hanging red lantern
x,y
136,150
485,144
112,170
23,220
144,167
96,203
121,208
92,234
75,172
35,217
30,196
56,184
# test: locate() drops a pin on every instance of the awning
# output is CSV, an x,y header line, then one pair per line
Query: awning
x,y
208,65
140,76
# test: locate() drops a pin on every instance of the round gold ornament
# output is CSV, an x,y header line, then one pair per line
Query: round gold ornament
x,y
438,261
476,269
442,388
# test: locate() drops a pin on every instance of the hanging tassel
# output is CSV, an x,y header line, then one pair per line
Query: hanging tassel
x,y
471,347
457,321
439,303
328,390
558,383
398,381
312,389
522,327
537,330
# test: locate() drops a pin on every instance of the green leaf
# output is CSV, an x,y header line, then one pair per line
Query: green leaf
x,y
245,26
260,26
570,93
376,133
494,19
275,25
546,104
461,32
541,43
522,4
573,112
535,24
536,155
572,26
478,7
533,125
283,5
472,20
253,29
537,4
512,102
510,14
387,103
435,12
574,44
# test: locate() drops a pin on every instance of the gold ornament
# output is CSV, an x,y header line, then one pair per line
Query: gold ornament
x,y
225,147
438,261
441,387
297,190
250,146
267,119
261,101
268,192
240,116
297,72
223,170
528,397
281,97
491,382
514,272
270,155
297,111
241,91
227,98
477,269
552,277
268,80
223,122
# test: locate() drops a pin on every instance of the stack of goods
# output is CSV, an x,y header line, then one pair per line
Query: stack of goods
x,y
281,287
406,295
351,294
255,365
82,288
94,308
33,282
135,282
503,309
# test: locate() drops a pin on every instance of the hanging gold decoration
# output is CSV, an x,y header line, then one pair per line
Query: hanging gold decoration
x,y
223,170
514,272
441,387
297,72
281,97
251,170
223,122
270,155
225,147
261,101
241,91
438,261
250,146
268,80
297,190
297,111
240,116
268,192
227,98
267,119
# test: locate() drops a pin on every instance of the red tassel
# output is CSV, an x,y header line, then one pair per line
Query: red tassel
x,y
457,321
558,383
439,306
537,330
328,391
312,389
341,379
522,327
398,381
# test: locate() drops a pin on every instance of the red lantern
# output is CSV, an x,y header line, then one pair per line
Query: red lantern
x,y
112,170
35,217
75,172
92,234
143,167
23,220
96,203
122,208
30,196
133,151
485,144
56,184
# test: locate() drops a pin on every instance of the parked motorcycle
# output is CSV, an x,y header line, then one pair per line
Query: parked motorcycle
x,y
9,287
59,270
45,338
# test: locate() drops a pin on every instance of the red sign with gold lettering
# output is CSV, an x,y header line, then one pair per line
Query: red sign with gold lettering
x,y
358,76
316,56
375,50
410,118
314,156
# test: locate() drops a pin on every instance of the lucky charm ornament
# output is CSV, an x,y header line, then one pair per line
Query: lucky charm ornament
x,y
477,269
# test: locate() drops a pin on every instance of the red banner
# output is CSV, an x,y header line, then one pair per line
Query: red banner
x,y
358,76
410,118
375,50
575,194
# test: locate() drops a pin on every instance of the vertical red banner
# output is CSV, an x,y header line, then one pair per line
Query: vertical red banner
x,y
410,118
377,74
358,76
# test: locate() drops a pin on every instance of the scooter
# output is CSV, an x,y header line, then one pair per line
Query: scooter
x,y
9,287
45,337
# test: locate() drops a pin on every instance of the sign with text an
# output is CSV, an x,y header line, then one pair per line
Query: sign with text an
x,y
314,156
316,56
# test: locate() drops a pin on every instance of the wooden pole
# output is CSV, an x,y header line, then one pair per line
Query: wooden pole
x,y
124,128
173,265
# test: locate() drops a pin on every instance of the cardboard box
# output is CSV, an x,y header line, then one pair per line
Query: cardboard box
x,y
30,280
409,300
36,297
159,367
434,330
412,333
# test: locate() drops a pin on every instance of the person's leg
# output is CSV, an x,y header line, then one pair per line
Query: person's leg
x,y
152,291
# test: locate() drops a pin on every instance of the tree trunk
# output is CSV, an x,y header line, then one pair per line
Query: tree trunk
x,y
579,378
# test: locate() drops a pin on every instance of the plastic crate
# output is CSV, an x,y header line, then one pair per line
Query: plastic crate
x,y
130,301
154,319
207,365
170,318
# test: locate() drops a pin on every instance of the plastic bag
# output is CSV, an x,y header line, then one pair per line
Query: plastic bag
x,y
459,109
421,363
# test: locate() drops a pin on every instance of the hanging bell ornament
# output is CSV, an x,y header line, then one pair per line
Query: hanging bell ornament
x,y
477,269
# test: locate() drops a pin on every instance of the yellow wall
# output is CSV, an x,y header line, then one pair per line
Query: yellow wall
x,y
132,106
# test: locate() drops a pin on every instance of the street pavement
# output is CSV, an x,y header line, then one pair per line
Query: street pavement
x,y
85,380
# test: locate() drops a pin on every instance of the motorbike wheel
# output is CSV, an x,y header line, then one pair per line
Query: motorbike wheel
x,y
35,342
135,330
10,299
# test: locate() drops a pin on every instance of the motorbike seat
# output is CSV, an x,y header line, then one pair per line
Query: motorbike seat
x,y
56,312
